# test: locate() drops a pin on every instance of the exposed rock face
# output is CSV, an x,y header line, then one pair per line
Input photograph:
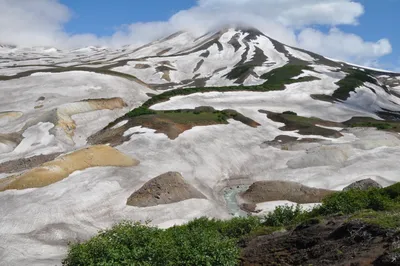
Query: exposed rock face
x,y
164,189
364,184
264,191
333,242
26,163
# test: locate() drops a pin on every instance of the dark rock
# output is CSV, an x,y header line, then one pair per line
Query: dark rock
x,y
364,184
388,259
329,242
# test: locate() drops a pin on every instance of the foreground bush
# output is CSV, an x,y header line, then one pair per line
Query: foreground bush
x,y
201,242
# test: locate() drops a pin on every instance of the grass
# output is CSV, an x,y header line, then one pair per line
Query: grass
x,y
277,79
215,242
354,79
370,122
386,219
305,125
188,117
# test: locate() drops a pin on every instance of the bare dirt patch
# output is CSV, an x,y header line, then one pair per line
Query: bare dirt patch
x,y
264,191
62,167
164,189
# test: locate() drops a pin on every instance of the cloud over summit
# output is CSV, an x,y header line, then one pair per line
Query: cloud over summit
x,y
294,22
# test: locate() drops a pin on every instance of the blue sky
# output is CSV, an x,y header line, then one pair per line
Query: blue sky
x,y
106,16
359,31
381,20
85,17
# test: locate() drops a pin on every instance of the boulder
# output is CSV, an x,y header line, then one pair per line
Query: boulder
x,y
167,188
364,184
264,191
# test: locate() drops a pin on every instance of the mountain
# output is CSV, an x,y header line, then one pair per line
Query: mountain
x,y
82,130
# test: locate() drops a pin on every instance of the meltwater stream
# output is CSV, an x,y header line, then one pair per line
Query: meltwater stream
x,y
230,196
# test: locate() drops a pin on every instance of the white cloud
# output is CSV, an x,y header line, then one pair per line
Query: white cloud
x,y
40,22
343,45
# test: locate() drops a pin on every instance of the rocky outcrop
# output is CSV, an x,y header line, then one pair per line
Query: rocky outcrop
x,y
23,164
364,184
164,189
332,242
264,191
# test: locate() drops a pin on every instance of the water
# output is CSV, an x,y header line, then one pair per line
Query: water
x,y
230,194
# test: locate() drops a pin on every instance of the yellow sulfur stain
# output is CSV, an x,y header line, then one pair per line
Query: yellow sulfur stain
x,y
62,167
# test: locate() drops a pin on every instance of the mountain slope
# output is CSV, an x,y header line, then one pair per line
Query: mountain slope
x,y
224,110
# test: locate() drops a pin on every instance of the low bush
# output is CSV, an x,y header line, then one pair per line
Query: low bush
x,y
285,215
200,242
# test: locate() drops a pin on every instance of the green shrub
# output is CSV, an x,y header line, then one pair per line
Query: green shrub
x,y
234,228
348,202
200,242
393,192
123,244
285,215
197,245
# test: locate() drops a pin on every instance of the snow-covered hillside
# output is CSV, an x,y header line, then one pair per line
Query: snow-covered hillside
x,y
58,110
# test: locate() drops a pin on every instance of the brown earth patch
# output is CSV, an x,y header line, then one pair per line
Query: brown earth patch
x,y
284,142
167,188
264,191
142,66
